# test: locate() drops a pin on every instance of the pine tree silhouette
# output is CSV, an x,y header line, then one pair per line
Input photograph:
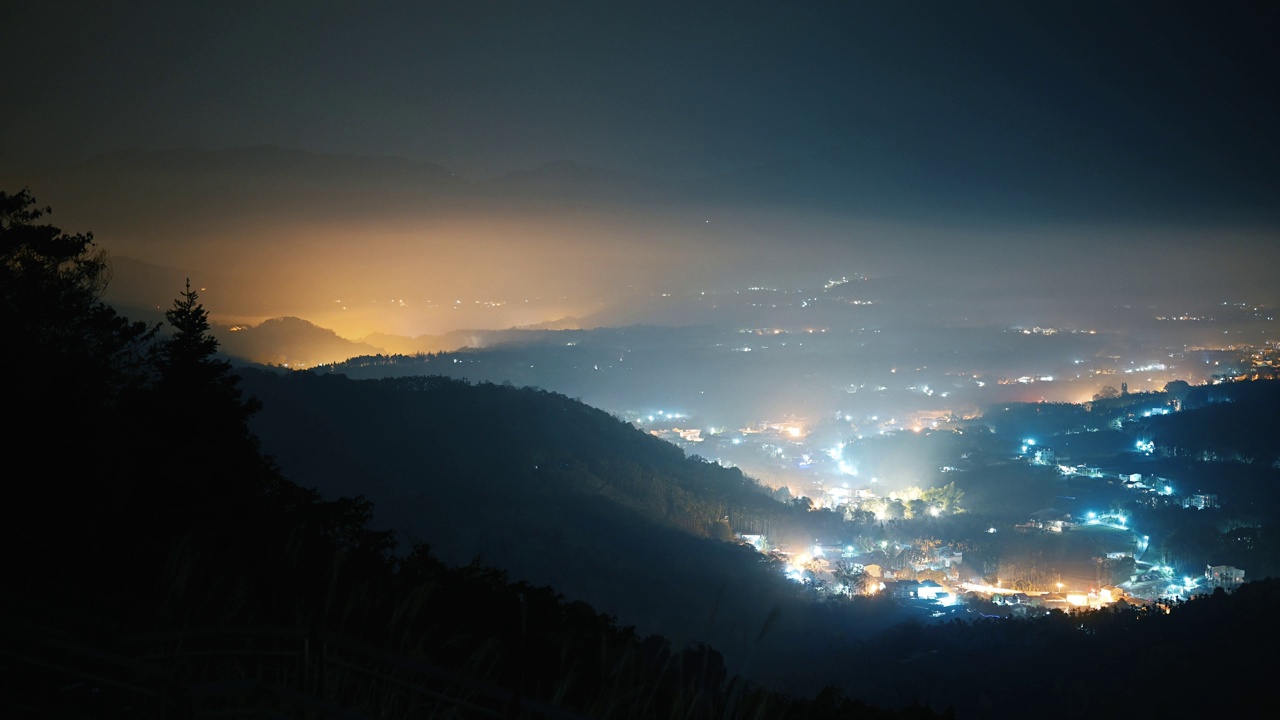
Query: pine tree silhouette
x,y
190,369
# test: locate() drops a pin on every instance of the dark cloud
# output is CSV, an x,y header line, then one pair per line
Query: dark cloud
x,y
487,87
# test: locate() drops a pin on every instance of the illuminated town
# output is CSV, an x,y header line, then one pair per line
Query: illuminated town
x,y
899,443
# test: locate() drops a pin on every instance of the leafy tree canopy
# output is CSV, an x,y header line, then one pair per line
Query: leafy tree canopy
x,y
70,359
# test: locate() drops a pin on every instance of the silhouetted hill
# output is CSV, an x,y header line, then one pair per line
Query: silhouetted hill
x,y
290,342
456,340
265,171
1070,665
1231,422
564,323
557,493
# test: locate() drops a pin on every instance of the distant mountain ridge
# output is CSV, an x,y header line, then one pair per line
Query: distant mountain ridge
x,y
269,161
298,343
905,181
290,342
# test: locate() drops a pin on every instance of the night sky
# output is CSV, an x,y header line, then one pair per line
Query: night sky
x,y
1138,132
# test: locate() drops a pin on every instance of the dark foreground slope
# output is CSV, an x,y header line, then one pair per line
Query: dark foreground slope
x,y
1206,657
559,493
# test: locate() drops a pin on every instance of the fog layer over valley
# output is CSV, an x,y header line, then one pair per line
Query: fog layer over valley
x,y
365,245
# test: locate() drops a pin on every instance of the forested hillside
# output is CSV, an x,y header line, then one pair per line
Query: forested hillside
x,y
560,493
1231,422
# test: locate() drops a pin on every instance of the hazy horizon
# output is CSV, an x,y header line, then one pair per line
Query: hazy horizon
x,y
455,166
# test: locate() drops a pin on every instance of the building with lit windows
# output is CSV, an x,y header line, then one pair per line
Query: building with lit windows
x,y
1224,576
